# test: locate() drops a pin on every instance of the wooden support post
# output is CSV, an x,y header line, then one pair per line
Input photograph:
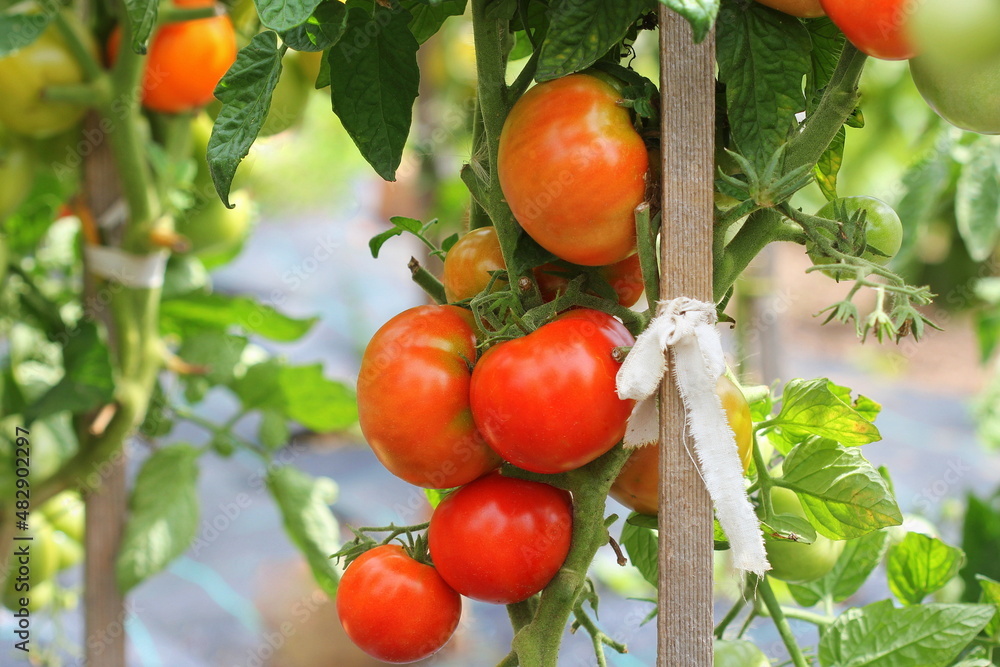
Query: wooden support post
x,y
685,618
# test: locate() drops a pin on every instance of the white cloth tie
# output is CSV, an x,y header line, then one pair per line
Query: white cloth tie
x,y
687,328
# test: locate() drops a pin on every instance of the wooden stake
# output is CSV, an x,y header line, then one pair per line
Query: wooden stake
x,y
687,86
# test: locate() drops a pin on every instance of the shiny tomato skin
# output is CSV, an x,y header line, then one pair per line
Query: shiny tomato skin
x,y
468,264
798,562
547,402
876,27
624,277
413,398
395,608
638,484
185,62
806,9
967,96
501,539
573,169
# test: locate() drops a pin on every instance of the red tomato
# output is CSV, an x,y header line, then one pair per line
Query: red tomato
x,y
573,169
413,398
395,608
501,539
468,264
185,62
625,278
638,484
547,402
877,27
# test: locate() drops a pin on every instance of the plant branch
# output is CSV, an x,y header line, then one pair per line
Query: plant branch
x,y
778,616
758,231
427,281
81,51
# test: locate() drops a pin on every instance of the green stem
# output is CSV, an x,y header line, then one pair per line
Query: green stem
x,y
177,14
84,94
521,613
427,281
81,51
820,620
837,104
778,616
478,217
646,242
758,231
730,616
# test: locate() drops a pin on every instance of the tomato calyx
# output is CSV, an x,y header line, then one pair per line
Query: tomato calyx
x,y
415,544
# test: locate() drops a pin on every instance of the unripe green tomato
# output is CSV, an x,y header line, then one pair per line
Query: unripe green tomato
x,y
944,31
27,72
38,566
883,231
965,95
68,550
65,513
4,257
738,653
798,562
39,597
211,227
17,174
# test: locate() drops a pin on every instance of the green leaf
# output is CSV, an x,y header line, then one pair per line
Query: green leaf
x,y
856,563
991,595
19,30
981,544
374,80
435,496
977,199
880,635
842,494
284,15
699,13
763,57
142,15
321,31
218,311
920,565
88,381
817,408
642,546
428,17
583,31
828,166
214,350
315,402
924,186
643,520
864,406
300,393
987,324
304,503
163,515
245,92
273,430
400,224
827,45
159,420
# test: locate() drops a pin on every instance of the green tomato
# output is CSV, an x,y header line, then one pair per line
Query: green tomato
x,y
17,173
29,572
798,562
211,227
65,513
39,597
965,95
4,257
883,230
27,72
738,653
68,550
946,32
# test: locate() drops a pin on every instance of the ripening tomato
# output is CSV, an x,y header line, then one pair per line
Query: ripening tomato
x,y
806,9
185,62
573,169
965,95
27,72
413,398
547,402
501,539
798,562
638,484
876,27
395,608
470,261
624,277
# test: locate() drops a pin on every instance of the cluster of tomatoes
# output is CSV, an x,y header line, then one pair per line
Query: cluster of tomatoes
x,y
56,531
953,48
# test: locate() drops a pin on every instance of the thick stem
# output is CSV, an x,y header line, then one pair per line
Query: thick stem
x,y
427,281
778,616
760,229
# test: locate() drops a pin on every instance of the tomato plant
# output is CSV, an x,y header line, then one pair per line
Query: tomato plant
x,y
794,561
802,8
572,132
638,484
186,61
501,539
413,398
965,95
883,230
877,27
546,402
395,608
28,72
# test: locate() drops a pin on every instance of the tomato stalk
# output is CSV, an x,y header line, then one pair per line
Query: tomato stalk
x,y
781,623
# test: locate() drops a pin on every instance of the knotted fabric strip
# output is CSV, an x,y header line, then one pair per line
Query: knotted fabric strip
x,y
135,271
687,328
